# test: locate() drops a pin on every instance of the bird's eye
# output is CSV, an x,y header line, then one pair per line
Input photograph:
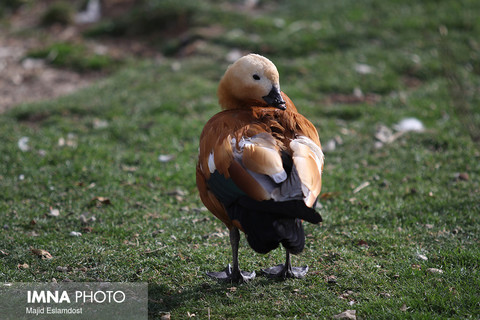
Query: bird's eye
x,y
256,77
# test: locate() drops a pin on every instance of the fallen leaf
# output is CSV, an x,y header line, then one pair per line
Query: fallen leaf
x,y
330,145
87,229
54,212
177,192
91,14
176,66
332,279
215,234
166,157
99,123
32,233
233,55
61,269
41,253
347,314
201,209
363,185
329,195
23,144
129,168
23,266
156,232
462,176
75,234
148,251
70,141
356,97
457,230
383,134
422,257
343,296
403,307
362,243
200,220
412,191
101,200
363,68
416,266
3,253
435,270
409,124
85,219
165,316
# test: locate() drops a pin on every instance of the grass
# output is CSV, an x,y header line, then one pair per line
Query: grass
x,y
154,228
73,56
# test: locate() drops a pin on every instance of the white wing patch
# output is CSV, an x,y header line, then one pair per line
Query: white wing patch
x,y
261,158
260,155
308,159
211,163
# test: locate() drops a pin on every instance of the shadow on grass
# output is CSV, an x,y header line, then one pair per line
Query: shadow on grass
x,y
163,299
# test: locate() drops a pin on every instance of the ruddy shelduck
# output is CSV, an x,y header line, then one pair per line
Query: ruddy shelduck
x,y
260,166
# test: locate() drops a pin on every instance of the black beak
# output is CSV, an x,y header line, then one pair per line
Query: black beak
x,y
274,99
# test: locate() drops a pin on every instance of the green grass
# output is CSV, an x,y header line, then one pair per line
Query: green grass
x,y
155,229
74,56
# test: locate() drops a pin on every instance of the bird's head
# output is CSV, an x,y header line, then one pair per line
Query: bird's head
x,y
252,80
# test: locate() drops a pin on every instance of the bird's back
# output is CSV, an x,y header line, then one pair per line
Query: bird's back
x,y
260,170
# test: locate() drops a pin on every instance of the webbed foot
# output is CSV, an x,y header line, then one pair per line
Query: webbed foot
x,y
232,275
282,271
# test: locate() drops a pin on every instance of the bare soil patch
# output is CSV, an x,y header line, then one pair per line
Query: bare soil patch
x,y
24,79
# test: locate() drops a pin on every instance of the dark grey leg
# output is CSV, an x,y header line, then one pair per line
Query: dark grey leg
x,y
233,273
284,271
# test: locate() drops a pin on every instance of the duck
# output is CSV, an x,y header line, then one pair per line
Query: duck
x,y
259,168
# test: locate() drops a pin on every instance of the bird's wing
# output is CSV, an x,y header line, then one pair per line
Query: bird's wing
x,y
238,157
275,156
221,174
210,200
308,161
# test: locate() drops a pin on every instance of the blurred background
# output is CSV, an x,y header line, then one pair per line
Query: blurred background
x,y
51,47
102,103
357,50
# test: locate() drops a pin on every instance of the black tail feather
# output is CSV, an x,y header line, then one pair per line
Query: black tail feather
x,y
292,234
269,223
258,228
286,209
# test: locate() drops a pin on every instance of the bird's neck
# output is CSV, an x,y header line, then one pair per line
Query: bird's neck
x,y
228,102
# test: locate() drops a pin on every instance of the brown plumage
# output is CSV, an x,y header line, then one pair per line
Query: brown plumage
x,y
260,165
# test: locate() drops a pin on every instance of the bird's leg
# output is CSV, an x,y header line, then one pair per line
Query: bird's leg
x,y
233,273
284,271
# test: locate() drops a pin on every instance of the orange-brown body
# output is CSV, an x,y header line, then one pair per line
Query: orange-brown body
x,y
283,125
260,166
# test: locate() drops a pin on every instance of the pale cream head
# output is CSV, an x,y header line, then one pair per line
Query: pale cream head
x,y
252,80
